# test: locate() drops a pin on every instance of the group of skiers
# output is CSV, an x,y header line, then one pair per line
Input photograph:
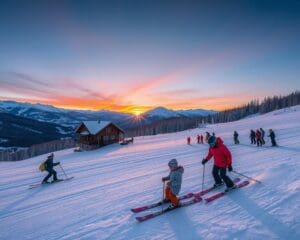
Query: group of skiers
x,y
200,138
222,162
257,137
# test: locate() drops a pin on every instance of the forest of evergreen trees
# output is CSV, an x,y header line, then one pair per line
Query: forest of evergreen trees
x,y
182,123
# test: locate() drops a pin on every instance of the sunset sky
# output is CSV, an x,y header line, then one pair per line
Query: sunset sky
x,y
131,56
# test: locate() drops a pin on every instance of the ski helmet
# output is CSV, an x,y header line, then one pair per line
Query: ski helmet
x,y
212,141
173,163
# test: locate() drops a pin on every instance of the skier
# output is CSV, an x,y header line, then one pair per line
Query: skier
x,y
201,138
272,136
49,168
207,136
252,136
188,140
222,160
262,136
235,137
258,138
174,183
198,139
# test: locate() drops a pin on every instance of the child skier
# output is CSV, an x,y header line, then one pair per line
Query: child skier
x,y
222,160
174,183
49,168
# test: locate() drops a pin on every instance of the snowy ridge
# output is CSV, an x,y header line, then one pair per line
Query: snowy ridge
x,y
111,180
162,112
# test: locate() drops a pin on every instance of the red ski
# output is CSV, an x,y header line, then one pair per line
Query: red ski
x,y
189,195
153,205
220,194
199,194
160,212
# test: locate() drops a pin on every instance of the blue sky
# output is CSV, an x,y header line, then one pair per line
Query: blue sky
x,y
135,55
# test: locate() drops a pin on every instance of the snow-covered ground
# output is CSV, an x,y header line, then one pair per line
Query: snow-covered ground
x,y
109,181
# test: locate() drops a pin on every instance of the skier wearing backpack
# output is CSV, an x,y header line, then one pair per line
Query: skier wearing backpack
x,y
174,183
222,160
49,164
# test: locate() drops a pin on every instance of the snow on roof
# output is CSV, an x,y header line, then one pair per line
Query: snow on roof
x,y
95,126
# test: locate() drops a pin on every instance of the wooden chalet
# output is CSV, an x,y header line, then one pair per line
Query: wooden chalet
x,y
95,134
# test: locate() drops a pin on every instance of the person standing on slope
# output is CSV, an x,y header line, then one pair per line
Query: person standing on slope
x,y
272,136
222,160
198,139
258,138
49,168
236,137
252,136
262,136
174,183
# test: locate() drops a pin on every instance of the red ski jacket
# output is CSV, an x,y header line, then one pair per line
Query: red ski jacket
x,y
221,154
258,135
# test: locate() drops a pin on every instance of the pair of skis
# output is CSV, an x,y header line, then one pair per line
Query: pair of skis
x,y
46,184
196,198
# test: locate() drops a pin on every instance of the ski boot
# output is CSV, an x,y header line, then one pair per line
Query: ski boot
x,y
230,188
216,185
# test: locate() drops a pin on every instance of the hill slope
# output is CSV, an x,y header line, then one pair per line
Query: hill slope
x,y
109,181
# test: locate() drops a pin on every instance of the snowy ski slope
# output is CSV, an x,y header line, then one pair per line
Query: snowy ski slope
x,y
111,180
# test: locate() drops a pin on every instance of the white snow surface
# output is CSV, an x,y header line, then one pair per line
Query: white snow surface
x,y
111,180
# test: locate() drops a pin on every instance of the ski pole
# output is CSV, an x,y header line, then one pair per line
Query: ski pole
x,y
63,170
246,176
203,177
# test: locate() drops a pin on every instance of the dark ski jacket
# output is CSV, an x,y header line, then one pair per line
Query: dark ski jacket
x,y
272,135
50,164
221,154
235,135
262,133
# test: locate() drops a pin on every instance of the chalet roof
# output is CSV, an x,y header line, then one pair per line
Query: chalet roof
x,y
95,127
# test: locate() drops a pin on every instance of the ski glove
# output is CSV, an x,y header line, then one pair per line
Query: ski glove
x,y
163,179
230,168
204,161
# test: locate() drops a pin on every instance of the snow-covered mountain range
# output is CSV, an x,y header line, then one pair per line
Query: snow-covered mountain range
x,y
71,118
47,113
161,112
111,180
